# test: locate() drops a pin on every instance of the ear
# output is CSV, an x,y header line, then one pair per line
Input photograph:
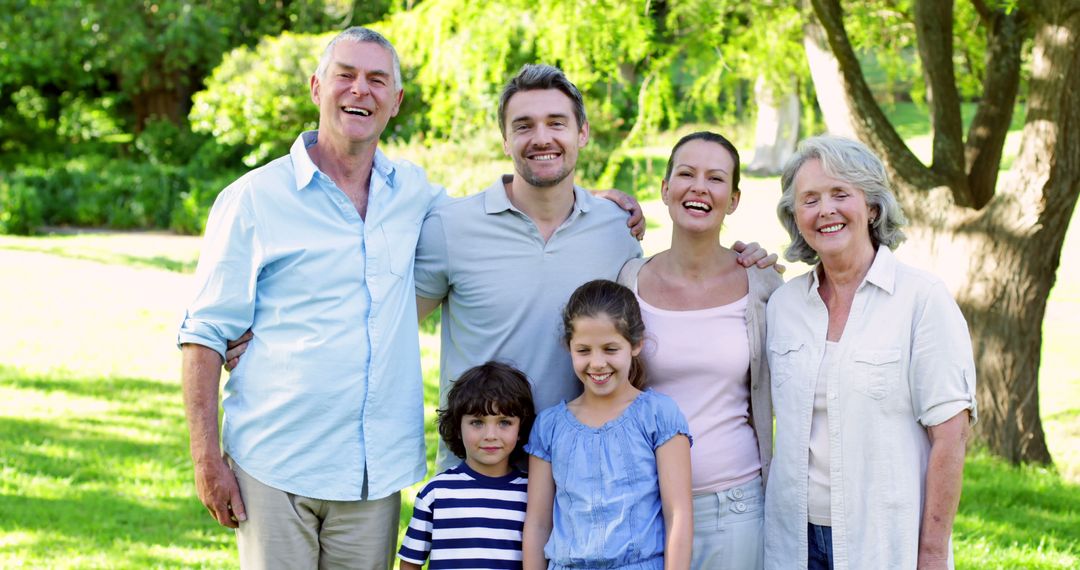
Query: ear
x,y
397,102
313,83
506,146
583,135
663,191
734,202
636,349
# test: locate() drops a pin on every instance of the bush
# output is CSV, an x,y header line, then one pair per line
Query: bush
x,y
20,209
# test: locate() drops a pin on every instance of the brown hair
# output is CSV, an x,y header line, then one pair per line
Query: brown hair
x,y
603,297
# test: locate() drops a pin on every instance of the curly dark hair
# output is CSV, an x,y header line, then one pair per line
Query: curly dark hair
x,y
603,297
493,388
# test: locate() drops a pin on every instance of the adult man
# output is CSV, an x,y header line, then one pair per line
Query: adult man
x,y
503,262
323,419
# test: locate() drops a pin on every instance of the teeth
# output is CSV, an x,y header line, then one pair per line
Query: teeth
x,y
600,377
831,229
696,205
545,157
357,111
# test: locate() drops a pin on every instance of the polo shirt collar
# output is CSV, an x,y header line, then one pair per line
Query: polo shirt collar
x,y
496,199
304,168
882,273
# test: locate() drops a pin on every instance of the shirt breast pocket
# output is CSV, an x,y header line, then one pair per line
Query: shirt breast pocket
x,y
786,356
877,372
400,241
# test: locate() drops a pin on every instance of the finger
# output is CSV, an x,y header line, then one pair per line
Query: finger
x,y
244,338
738,246
768,260
221,513
239,514
231,363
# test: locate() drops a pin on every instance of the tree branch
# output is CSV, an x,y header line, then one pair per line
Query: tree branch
x,y
986,134
869,120
933,26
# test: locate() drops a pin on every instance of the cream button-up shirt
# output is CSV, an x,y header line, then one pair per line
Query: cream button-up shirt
x,y
904,363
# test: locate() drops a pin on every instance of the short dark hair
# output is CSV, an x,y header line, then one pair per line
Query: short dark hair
x,y
712,137
534,77
493,388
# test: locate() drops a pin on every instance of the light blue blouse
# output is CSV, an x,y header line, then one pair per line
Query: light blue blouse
x,y
607,495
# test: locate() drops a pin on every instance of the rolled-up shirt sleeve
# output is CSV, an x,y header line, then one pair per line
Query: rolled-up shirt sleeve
x,y
942,371
224,302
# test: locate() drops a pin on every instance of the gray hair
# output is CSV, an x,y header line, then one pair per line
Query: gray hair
x,y
532,77
854,163
359,34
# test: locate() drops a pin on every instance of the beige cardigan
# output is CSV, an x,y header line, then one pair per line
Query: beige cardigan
x,y
762,283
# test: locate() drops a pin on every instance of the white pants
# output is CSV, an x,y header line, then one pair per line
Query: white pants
x,y
729,529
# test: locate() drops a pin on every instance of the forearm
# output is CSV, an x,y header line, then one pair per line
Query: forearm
x,y
409,566
534,537
944,479
678,542
201,375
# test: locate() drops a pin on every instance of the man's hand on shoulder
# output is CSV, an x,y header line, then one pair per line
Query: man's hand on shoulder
x,y
636,222
753,254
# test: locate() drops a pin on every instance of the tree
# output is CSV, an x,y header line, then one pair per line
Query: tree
x,y
1001,242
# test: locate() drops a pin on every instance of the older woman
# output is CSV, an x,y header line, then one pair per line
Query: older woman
x,y
873,381
704,316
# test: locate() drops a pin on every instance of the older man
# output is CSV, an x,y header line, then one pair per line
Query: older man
x,y
323,418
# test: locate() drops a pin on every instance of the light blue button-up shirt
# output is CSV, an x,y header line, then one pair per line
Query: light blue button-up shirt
x,y
331,382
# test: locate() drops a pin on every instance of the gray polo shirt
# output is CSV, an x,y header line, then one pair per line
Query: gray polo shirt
x,y
505,289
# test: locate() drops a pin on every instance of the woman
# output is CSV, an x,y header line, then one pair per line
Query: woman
x,y
704,315
873,381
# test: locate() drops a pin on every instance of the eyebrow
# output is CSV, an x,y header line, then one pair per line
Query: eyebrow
x,y
525,118
349,67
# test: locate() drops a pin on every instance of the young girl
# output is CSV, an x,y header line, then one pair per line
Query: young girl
x,y
471,516
609,472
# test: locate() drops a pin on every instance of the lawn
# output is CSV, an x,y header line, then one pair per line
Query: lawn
x,y
95,472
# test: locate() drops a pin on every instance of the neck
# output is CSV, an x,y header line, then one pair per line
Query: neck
x,y
695,256
346,165
547,207
847,270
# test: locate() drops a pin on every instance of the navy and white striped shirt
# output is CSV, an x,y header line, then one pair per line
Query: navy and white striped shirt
x,y
463,519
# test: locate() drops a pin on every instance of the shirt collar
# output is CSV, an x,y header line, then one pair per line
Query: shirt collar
x,y
882,273
304,168
496,199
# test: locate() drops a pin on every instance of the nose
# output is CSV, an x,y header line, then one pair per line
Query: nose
x,y
359,86
541,135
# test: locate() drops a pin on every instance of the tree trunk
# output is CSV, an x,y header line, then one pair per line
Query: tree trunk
x,y
999,257
777,129
828,84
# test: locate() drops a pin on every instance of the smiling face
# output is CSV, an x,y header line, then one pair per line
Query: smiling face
x,y
831,214
698,192
542,136
489,440
357,96
601,356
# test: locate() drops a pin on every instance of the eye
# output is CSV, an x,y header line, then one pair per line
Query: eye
x,y
505,422
476,422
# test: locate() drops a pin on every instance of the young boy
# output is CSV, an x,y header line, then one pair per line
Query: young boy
x,y
471,516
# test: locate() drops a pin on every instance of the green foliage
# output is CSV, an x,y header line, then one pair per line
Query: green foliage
x,y
258,97
102,191
20,208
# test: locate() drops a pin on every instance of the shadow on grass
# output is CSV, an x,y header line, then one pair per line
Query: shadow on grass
x,y
100,468
1024,507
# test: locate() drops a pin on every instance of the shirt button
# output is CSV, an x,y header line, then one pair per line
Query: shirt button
x,y
832,395
737,493
740,507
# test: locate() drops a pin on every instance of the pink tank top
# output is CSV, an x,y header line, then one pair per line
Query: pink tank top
x,y
701,359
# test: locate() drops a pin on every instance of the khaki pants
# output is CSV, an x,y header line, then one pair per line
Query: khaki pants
x,y
292,532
